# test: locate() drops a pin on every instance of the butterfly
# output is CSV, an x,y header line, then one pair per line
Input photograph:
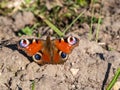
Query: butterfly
x,y
48,51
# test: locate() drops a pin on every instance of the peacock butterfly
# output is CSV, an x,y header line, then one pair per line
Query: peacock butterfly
x,y
48,51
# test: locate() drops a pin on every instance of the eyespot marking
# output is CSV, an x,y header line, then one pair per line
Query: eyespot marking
x,y
24,43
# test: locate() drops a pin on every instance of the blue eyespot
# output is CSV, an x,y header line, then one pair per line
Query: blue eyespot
x,y
63,55
37,56
24,43
72,40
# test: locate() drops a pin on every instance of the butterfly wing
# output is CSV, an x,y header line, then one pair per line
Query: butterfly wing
x,y
36,48
63,47
66,44
30,46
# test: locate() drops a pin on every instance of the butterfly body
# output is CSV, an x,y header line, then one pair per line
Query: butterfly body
x,y
48,51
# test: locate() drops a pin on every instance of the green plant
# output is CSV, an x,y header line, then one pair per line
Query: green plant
x,y
116,76
82,2
27,30
27,1
55,28
52,26
98,28
74,21
93,20
33,85
63,13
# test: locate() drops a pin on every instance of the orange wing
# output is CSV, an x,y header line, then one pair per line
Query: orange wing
x,y
66,44
63,47
36,49
30,46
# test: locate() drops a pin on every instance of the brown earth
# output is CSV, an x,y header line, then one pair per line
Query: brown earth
x,y
90,66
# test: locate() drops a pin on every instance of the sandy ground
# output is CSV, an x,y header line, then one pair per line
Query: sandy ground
x,y
90,66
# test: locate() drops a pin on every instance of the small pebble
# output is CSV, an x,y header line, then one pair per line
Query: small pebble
x,y
74,71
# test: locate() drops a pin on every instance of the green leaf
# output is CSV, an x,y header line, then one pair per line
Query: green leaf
x,y
114,80
27,31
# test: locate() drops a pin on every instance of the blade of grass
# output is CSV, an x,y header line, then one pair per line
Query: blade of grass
x,y
33,85
98,28
74,21
114,80
91,25
52,26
